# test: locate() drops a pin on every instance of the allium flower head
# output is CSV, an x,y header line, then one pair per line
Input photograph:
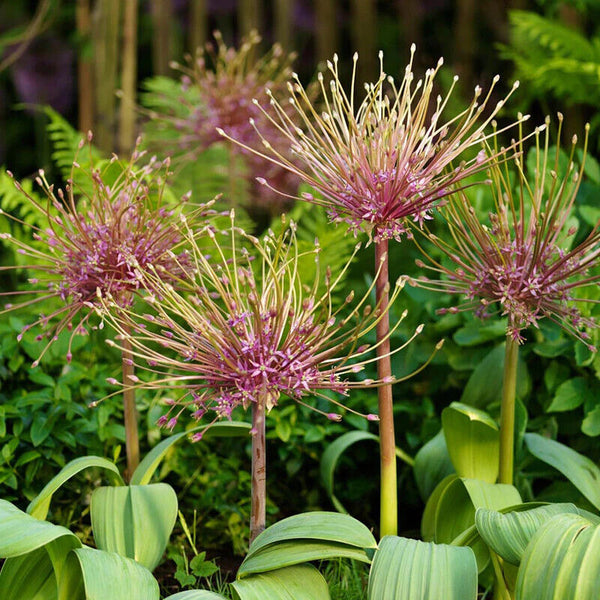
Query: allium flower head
x,y
101,230
389,159
249,330
216,91
523,264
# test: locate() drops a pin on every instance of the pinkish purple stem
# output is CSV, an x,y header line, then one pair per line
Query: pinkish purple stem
x,y
259,470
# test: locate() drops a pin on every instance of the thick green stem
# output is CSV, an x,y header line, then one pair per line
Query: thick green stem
x,y
132,444
507,411
259,470
387,439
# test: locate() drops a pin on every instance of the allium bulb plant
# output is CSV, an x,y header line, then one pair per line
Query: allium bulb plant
x,y
248,333
111,221
522,263
217,89
379,165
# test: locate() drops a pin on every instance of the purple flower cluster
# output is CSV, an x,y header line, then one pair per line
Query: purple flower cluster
x,y
247,330
109,223
522,264
383,163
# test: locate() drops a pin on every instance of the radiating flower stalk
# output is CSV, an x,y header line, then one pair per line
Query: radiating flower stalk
x,y
110,222
522,264
217,91
377,166
247,332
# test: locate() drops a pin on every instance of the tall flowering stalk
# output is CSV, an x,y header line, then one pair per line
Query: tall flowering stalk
x,y
106,225
216,90
248,332
521,264
377,166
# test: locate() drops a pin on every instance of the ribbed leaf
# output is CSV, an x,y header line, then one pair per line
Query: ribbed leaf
x,y
432,464
578,469
508,534
286,554
147,467
96,575
196,595
300,582
39,506
30,576
562,561
473,441
405,569
134,521
35,552
324,526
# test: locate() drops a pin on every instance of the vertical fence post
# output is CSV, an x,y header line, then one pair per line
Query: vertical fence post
x,y
198,25
284,10
364,24
326,29
128,77
161,40
85,73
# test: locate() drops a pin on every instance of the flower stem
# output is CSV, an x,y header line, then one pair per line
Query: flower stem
x,y
507,411
132,444
387,440
259,470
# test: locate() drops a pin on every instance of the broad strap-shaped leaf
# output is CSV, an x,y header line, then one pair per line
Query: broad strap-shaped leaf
x,y
473,442
35,553
149,464
334,451
21,533
134,521
405,569
432,464
286,554
96,575
300,582
508,534
39,506
578,469
562,561
196,595
319,525
29,576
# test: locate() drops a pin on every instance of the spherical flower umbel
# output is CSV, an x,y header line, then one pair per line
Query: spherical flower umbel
x,y
388,160
217,90
111,221
523,264
248,331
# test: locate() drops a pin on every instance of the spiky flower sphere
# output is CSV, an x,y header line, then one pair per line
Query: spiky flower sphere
x,y
523,264
248,330
390,159
217,90
111,221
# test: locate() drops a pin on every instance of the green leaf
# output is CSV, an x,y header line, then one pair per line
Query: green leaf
x,y
561,562
591,423
196,595
300,582
334,451
578,469
323,526
96,575
569,395
473,442
134,521
485,384
330,458
39,506
147,467
432,464
406,569
30,576
286,554
35,551
508,534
